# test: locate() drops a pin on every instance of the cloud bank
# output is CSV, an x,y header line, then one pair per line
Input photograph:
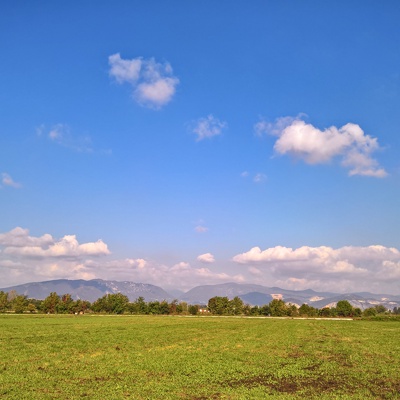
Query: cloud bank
x,y
345,269
153,83
25,258
303,141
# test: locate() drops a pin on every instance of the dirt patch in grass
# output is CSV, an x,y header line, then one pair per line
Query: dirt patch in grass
x,y
317,384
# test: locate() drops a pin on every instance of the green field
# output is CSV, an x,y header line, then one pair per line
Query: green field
x,y
145,357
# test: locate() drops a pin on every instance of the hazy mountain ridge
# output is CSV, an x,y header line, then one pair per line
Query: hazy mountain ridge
x,y
250,293
91,290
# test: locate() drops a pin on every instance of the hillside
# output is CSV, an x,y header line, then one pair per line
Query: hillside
x,y
251,294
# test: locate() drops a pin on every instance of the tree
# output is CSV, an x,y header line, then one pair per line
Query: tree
x,y
4,303
115,303
357,312
218,305
193,309
326,312
182,308
263,310
80,306
307,311
292,310
236,306
369,312
247,309
31,308
65,304
50,303
173,307
380,309
19,304
344,308
141,305
278,308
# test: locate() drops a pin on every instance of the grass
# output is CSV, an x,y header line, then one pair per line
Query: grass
x,y
145,357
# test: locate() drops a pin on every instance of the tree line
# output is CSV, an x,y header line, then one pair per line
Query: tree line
x,y
119,303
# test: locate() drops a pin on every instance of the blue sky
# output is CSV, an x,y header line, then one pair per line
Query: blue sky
x,y
185,143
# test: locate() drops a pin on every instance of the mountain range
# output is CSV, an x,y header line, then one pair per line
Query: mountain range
x,y
250,294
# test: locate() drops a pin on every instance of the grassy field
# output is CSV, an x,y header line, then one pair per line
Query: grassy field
x,y
144,357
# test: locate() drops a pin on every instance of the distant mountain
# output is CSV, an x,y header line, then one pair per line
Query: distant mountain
x,y
201,294
249,293
260,295
91,290
256,298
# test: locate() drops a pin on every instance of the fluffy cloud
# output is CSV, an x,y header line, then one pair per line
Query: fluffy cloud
x,y
18,242
347,268
314,146
153,83
26,258
181,275
206,128
19,237
8,181
124,70
206,258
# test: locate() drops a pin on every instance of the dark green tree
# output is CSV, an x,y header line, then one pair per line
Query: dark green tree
x,y
193,309
164,307
325,312
278,308
307,311
154,307
236,306
344,309
116,303
369,312
218,305
255,310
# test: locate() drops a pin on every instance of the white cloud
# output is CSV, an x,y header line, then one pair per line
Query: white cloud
x,y
153,83
345,269
314,146
25,258
19,237
206,258
8,181
124,70
180,275
18,242
206,128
